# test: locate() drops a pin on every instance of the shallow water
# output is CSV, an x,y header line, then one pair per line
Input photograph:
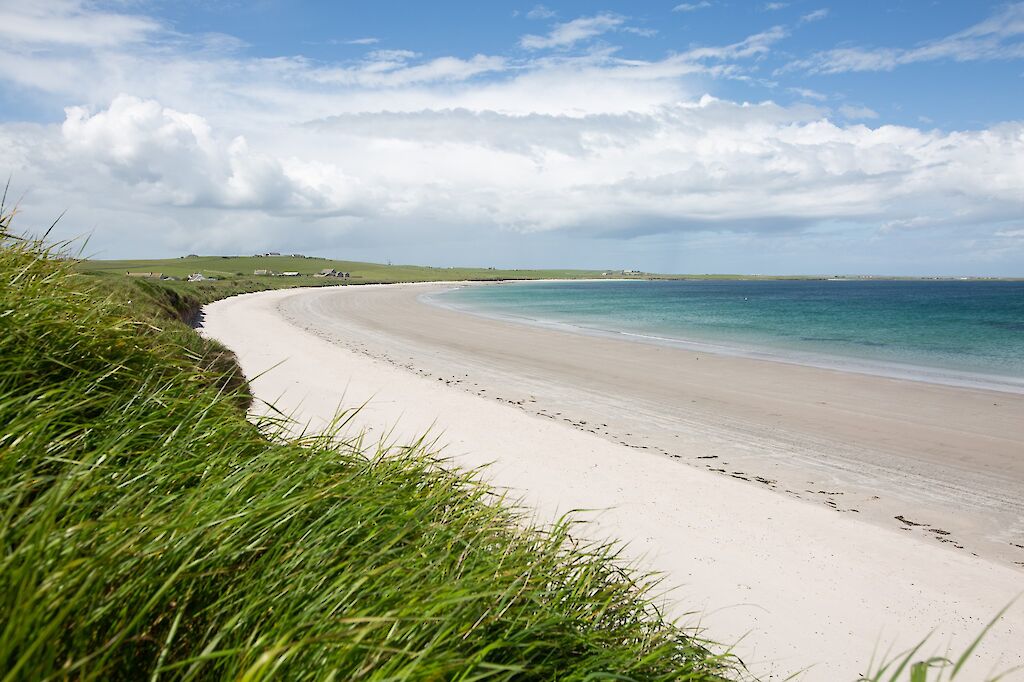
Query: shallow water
x,y
957,332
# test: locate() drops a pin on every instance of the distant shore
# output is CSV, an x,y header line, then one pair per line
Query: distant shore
x,y
839,509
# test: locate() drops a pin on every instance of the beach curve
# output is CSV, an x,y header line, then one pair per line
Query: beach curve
x,y
800,583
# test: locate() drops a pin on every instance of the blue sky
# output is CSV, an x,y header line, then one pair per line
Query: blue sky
x,y
324,31
702,136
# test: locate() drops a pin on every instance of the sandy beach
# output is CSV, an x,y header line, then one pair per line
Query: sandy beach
x,y
807,516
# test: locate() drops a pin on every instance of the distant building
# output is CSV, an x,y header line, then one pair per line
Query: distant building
x,y
199,277
262,273
291,273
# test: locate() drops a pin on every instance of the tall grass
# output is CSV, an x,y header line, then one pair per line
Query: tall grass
x,y
149,531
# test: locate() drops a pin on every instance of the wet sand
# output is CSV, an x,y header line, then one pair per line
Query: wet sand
x,y
818,512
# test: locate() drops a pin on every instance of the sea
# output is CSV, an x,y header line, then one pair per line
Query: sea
x,y
965,333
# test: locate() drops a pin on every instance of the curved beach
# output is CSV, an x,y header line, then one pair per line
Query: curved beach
x,y
809,515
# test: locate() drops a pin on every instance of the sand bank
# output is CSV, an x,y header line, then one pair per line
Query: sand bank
x,y
738,478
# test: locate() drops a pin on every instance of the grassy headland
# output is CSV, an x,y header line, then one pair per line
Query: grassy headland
x,y
150,530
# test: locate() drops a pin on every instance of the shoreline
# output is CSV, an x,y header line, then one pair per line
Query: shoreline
x,y
939,376
810,584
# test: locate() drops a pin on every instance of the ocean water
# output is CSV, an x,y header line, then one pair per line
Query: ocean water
x,y
956,332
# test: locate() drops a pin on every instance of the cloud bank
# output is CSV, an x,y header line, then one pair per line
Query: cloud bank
x,y
177,142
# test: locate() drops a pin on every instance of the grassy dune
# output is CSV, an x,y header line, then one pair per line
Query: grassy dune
x,y
151,531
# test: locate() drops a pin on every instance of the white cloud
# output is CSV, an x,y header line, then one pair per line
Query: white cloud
x,y
210,147
996,38
816,15
807,93
572,32
698,165
857,112
363,41
775,6
691,6
167,157
642,32
70,23
751,46
540,12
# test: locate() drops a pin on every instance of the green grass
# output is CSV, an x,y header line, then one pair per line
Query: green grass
x,y
235,266
150,531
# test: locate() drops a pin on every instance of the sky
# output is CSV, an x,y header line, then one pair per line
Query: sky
x,y
797,137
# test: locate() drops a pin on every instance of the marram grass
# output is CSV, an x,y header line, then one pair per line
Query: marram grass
x,y
149,531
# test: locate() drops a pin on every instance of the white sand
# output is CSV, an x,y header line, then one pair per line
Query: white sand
x,y
796,584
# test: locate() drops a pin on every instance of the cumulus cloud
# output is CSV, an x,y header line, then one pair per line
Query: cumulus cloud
x,y
698,165
689,166
168,157
212,147
572,32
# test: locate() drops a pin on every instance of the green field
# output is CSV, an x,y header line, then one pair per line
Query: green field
x,y
234,274
244,266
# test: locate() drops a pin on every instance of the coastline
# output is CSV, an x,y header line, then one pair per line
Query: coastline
x,y
809,584
807,358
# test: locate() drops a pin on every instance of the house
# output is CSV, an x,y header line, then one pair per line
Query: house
x,y
262,273
199,277
290,273
327,272
145,275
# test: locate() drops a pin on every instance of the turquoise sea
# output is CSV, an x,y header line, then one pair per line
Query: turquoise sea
x,y
957,332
